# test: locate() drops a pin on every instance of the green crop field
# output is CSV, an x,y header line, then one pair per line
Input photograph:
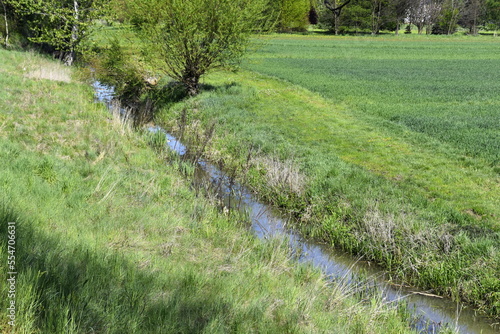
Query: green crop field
x,y
446,88
434,101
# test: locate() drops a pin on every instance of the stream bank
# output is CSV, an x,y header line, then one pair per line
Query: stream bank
x,y
430,313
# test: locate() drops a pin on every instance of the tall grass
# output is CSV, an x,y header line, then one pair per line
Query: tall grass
x,y
111,238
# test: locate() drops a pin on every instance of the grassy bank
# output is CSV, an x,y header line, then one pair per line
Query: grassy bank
x,y
417,202
111,239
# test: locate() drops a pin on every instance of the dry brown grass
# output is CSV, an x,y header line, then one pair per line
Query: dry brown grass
x,y
39,68
282,175
121,118
380,226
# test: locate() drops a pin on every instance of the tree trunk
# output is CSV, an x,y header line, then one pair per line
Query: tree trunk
x,y
69,58
336,11
6,24
336,20
420,28
474,23
192,84
475,15
376,13
452,23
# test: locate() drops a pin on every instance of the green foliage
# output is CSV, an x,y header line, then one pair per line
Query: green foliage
x,y
493,13
357,16
447,22
11,25
62,25
191,38
116,68
292,14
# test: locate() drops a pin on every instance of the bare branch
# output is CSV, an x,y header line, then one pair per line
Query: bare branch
x,y
336,10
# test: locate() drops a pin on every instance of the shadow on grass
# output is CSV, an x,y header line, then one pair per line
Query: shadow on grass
x,y
224,87
80,290
174,92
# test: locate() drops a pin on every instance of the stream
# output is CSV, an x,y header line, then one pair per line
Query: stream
x,y
429,313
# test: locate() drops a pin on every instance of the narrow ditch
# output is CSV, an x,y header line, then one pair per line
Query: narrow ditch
x,y
430,313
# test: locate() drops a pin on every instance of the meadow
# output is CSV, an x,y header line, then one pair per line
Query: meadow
x,y
110,238
444,87
436,97
386,147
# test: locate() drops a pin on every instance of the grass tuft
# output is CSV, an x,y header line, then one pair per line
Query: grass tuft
x,y
36,67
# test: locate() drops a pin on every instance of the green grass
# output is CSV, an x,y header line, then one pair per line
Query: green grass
x,y
111,239
416,202
446,88
431,103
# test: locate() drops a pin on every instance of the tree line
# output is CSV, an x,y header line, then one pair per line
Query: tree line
x,y
429,16
373,16
61,25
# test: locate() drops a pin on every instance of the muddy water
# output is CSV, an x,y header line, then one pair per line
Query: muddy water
x,y
430,313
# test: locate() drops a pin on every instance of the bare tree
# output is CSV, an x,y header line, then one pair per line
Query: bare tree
x,y
417,15
424,13
472,12
335,6
399,11
376,9
433,11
